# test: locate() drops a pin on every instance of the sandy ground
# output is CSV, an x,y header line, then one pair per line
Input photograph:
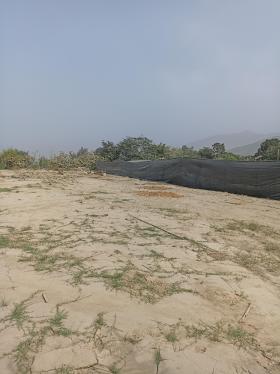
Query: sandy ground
x,y
103,274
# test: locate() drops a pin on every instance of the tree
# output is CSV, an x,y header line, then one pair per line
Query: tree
x,y
206,152
162,150
82,151
108,151
189,152
140,148
269,149
218,149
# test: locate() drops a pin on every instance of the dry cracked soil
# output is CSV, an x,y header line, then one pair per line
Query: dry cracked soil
x,y
104,274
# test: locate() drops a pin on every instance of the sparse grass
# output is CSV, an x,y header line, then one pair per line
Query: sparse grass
x,y
139,284
56,323
4,189
247,260
159,256
114,369
44,256
121,200
114,241
158,359
93,194
65,370
155,254
19,314
128,279
195,332
48,261
99,321
254,257
22,356
102,192
4,241
171,337
155,187
171,212
250,227
99,336
36,334
78,277
257,262
141,279
150,232
217,332
238,336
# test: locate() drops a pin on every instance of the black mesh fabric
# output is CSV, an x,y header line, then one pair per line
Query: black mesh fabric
x,y
260,178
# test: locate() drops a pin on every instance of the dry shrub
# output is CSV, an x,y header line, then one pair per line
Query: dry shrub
x,y
15,159
159,194
68,161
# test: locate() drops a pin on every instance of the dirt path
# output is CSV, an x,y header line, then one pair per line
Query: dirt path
x,y
102,274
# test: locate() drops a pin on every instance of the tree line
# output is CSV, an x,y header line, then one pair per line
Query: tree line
x,y
131,148
142,148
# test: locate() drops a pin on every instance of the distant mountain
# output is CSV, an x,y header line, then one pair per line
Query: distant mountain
x,y
236,141
250,149
230,140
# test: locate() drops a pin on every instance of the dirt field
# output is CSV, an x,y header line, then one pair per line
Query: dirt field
x,y
103,274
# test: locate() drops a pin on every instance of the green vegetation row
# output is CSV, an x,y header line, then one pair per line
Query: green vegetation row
x,y
140,148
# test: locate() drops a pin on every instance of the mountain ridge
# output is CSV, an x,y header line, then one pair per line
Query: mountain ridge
x,y
235,142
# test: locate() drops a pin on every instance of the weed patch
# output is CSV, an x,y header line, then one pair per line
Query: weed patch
x,y
251,227
99,335
138,284
217,332
4,189
4,241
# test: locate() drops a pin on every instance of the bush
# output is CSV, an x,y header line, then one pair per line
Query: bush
x,y
269,149
15,159
206,152
108,151
142,148
67,161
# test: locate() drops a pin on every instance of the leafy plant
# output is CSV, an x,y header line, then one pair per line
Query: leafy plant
x,y
269,149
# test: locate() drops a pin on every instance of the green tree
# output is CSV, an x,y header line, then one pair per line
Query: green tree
x,y
229,156
108,151
269,149
206,152
218,149
189,152
140,148
162,150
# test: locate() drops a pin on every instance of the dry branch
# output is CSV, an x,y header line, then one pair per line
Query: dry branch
x,y
44,298
160,228
245,314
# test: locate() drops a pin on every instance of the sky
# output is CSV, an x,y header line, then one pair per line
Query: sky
x,y
75,72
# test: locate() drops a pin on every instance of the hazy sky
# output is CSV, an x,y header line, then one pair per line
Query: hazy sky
x,y
74,72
